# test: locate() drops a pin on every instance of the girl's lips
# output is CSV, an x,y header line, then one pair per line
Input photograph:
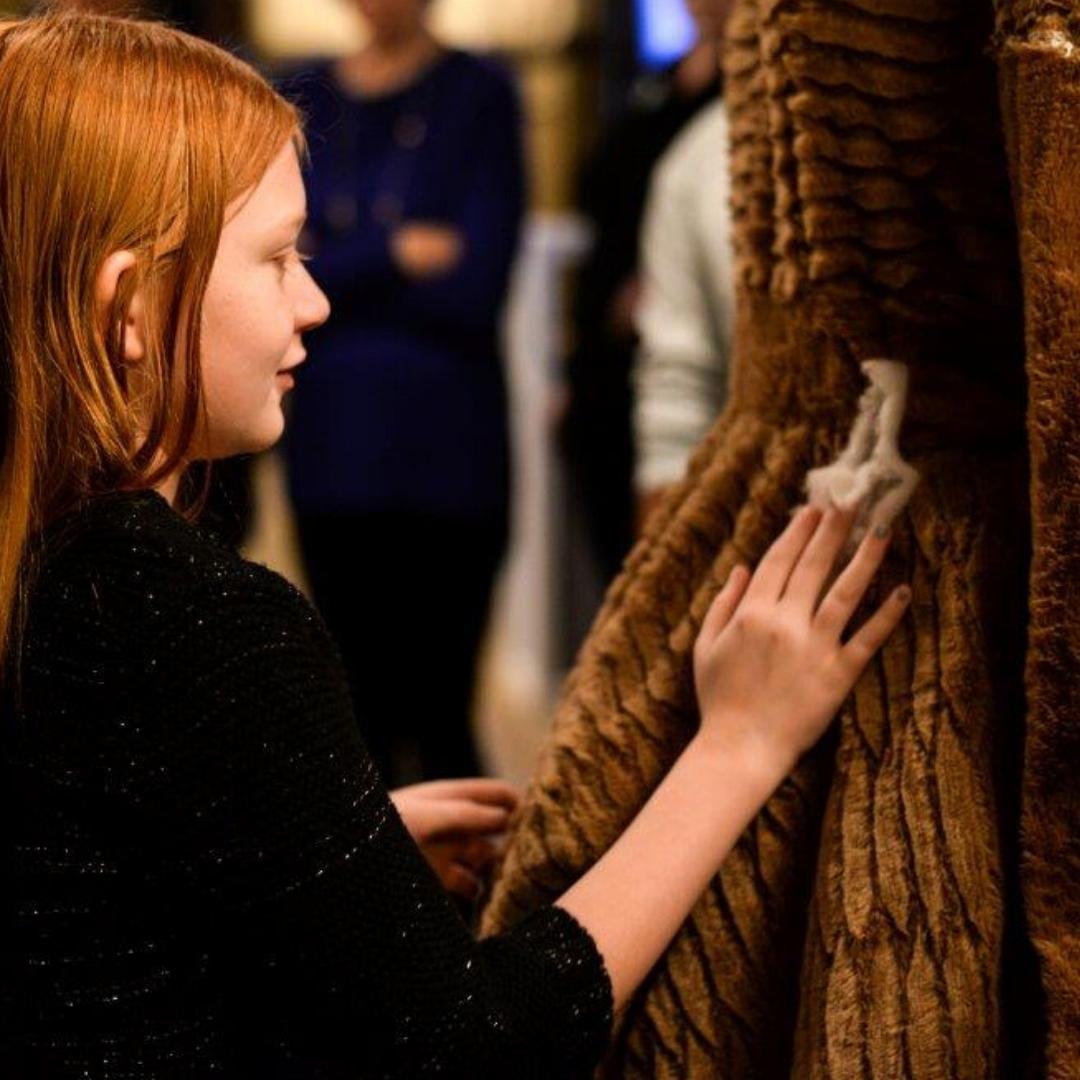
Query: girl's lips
x,y
284,375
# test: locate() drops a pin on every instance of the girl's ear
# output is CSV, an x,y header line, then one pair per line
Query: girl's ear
x,y
105,288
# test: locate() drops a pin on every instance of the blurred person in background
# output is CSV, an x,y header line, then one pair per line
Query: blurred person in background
x,y
398,450
596,431
685,314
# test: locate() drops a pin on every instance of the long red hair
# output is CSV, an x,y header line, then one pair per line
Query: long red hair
x,y
115,134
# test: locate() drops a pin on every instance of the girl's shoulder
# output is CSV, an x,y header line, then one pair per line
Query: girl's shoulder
x,y
129,530
128,594
134,557
140,622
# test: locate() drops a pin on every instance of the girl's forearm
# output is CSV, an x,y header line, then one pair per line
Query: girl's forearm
x,y
641,890
771,669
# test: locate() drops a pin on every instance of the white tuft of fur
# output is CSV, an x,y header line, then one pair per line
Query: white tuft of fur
x,y
870,476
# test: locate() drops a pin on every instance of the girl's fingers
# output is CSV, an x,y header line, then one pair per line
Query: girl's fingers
x,y
465,816
850,587
775,568
478,854
725,602
860,650
475,853
816,562
478,788
486,790
461,881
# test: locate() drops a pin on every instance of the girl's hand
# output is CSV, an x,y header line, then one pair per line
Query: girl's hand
x,y
454,823
770,668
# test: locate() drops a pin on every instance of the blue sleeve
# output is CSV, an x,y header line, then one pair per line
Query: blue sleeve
x,y
469,297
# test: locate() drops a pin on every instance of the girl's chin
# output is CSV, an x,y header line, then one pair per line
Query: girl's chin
x,y
252,441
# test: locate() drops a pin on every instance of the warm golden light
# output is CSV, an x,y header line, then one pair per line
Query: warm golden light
x,y
283,28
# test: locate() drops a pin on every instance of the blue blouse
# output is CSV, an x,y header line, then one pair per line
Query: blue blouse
x,y
402,404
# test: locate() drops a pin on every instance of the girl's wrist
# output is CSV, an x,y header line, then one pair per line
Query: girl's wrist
x,y
757,762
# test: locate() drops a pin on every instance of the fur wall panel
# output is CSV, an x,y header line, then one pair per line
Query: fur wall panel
x,y
868,924
1039,46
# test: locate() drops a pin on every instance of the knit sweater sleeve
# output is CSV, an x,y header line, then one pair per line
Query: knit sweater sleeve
x,y
355,957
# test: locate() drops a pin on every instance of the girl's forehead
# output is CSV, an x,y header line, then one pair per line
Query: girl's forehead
x,y
277,200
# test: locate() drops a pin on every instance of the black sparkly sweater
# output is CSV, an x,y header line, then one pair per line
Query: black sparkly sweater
x,y
204,874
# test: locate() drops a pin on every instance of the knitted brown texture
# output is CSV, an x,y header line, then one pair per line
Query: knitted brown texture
x,y
861,925
1040,85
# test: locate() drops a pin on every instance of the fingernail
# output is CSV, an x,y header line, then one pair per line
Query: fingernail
x,y
903,594
882,532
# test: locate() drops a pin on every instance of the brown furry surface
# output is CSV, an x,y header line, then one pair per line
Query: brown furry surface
x,y
1040,79
867,924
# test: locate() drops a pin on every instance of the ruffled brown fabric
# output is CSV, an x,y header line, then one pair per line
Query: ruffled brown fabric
x,y
871,922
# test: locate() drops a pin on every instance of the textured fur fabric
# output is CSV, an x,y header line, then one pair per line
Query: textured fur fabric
x,y
869,924
1039,45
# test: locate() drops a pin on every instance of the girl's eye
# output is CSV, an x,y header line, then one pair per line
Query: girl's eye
x,y
288,258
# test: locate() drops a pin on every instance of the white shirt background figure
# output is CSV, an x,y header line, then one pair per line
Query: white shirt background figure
x,y
685,316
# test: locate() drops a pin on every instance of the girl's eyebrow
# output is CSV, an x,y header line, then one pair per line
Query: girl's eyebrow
x,y
293,224
285,234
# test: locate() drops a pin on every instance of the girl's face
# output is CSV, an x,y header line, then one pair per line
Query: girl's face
x,y
259,300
